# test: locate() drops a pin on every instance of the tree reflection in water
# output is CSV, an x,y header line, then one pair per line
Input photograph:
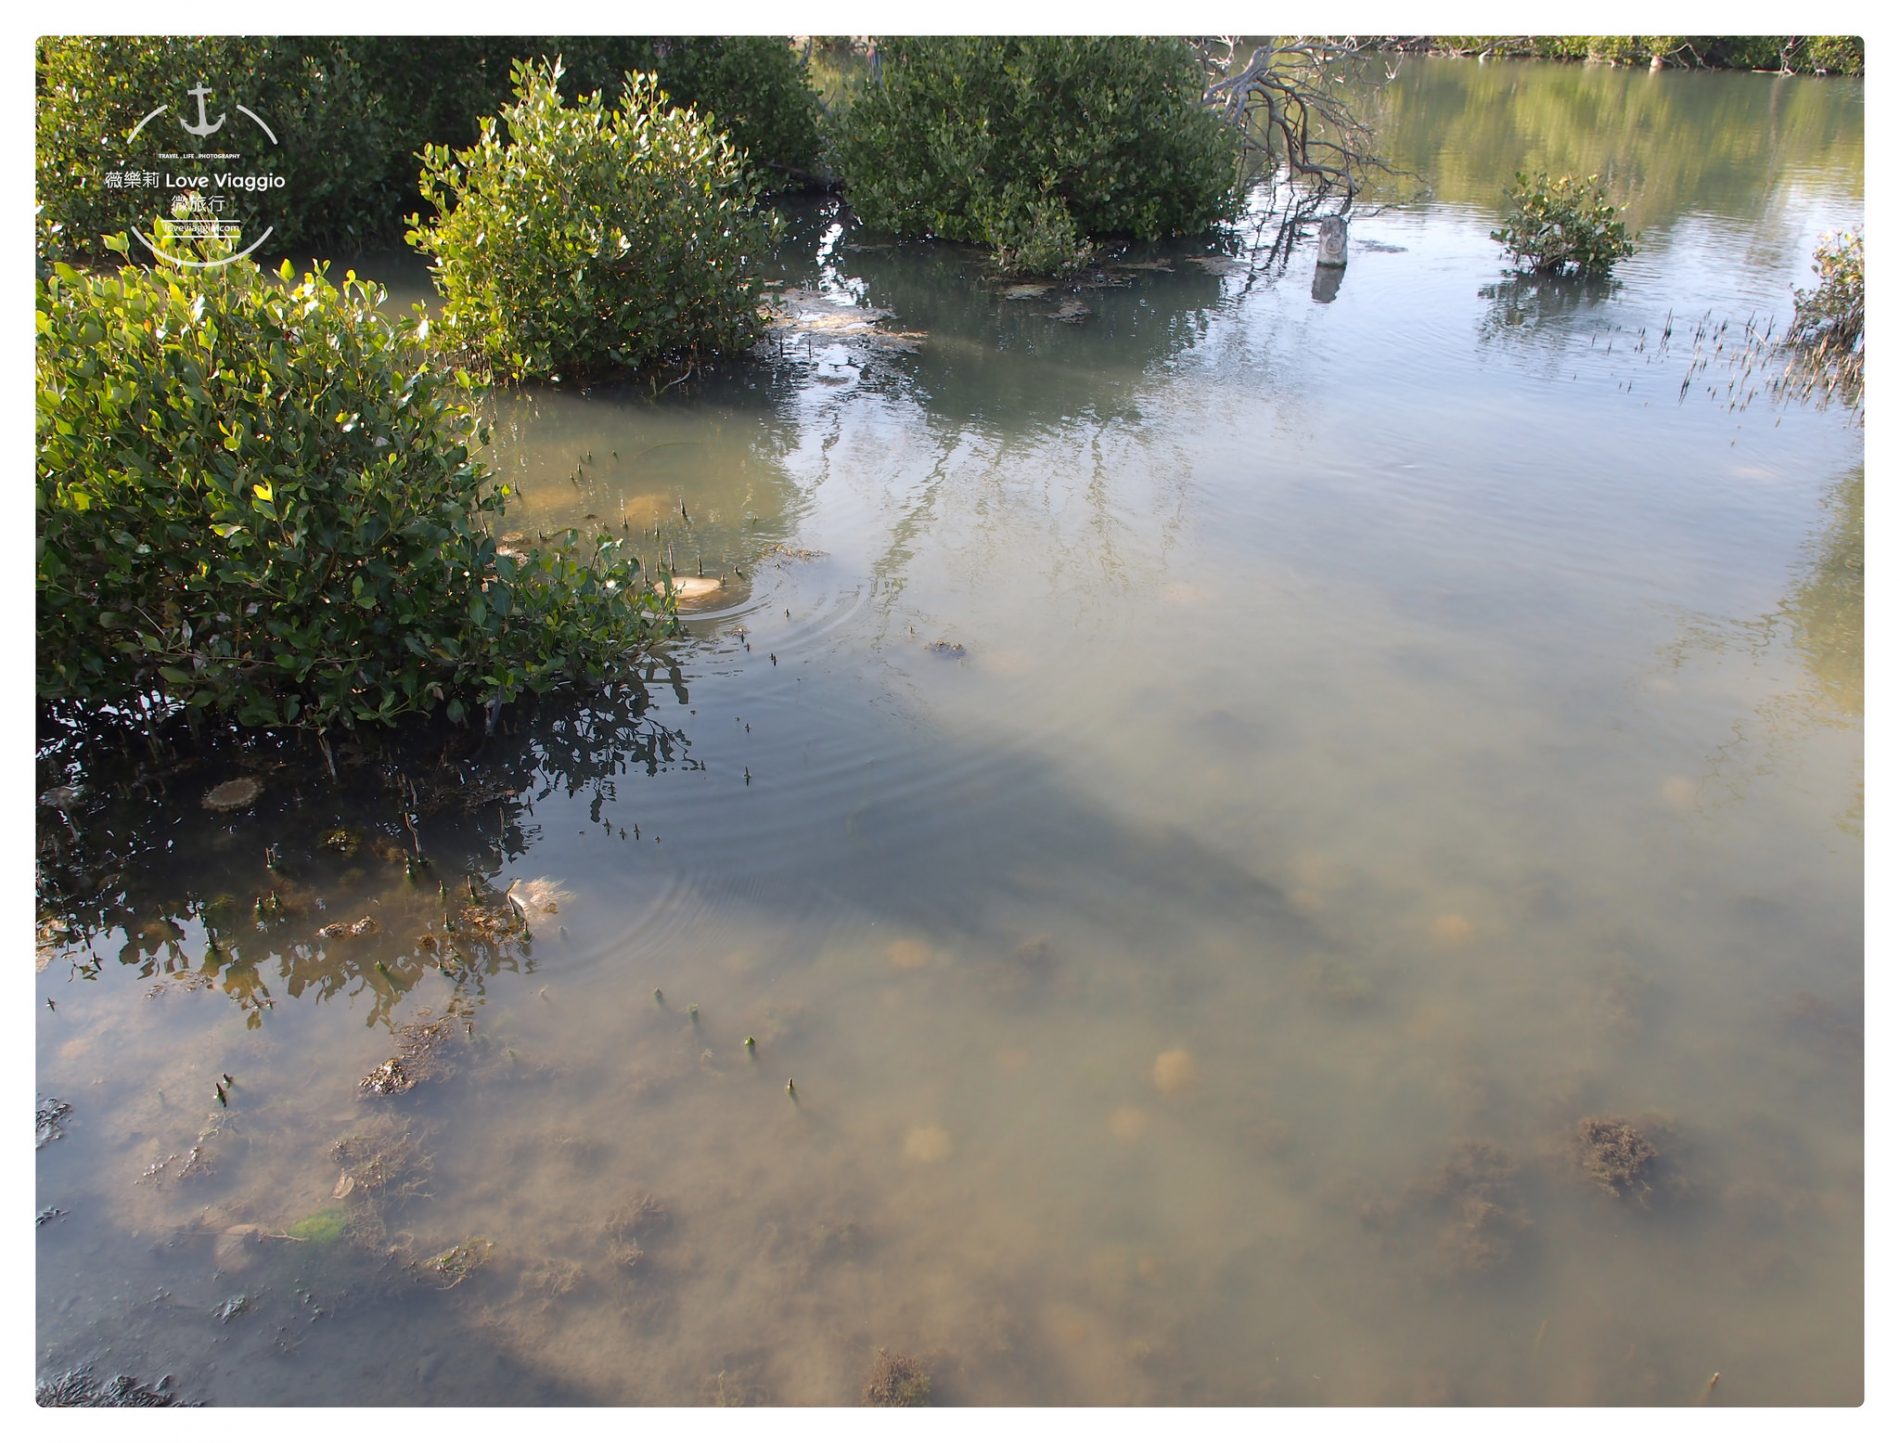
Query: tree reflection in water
x,y
276,901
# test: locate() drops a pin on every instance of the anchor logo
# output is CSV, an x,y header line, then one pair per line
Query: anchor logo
x,y
201,216
204,127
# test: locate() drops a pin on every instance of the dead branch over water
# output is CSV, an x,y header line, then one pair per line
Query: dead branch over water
x,y
1292,110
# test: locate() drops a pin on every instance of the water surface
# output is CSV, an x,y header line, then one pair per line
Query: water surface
x,y
1201,796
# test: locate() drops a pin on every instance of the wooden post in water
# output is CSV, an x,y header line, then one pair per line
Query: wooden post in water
x,y
1331,269
1332,241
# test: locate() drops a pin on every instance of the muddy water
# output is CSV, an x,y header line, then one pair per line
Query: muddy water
x,y
1199,796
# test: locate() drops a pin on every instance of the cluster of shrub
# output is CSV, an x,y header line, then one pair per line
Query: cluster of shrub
x,y
1566,226
1829,335
1797,54
351,114
261,499
1031,146
1035,147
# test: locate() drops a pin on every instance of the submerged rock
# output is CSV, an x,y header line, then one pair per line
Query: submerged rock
x,y
453,1266
232,796
927,1144
1127,1124
389,1078
806,309
694,588
1175,1072
815,315
361,927
908,953
419,1058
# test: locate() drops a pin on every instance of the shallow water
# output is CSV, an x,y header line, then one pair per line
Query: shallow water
x,y
1383,724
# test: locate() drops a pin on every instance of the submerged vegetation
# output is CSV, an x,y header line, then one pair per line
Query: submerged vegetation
x,y
81,1389
1616,1156
897,1381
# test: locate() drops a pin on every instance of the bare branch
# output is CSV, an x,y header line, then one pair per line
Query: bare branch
x,y
1291,108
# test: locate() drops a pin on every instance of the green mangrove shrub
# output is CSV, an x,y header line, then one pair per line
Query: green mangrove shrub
x,y
258,496
1035,146
1829,334
1802,54
592,239
333,128
1834,313
753,87
1566,225
1836,55
353,112
1035,233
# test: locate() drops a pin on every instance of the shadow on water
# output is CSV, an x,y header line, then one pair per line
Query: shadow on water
x,y
349,1329
251,1288
270,903
401,872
